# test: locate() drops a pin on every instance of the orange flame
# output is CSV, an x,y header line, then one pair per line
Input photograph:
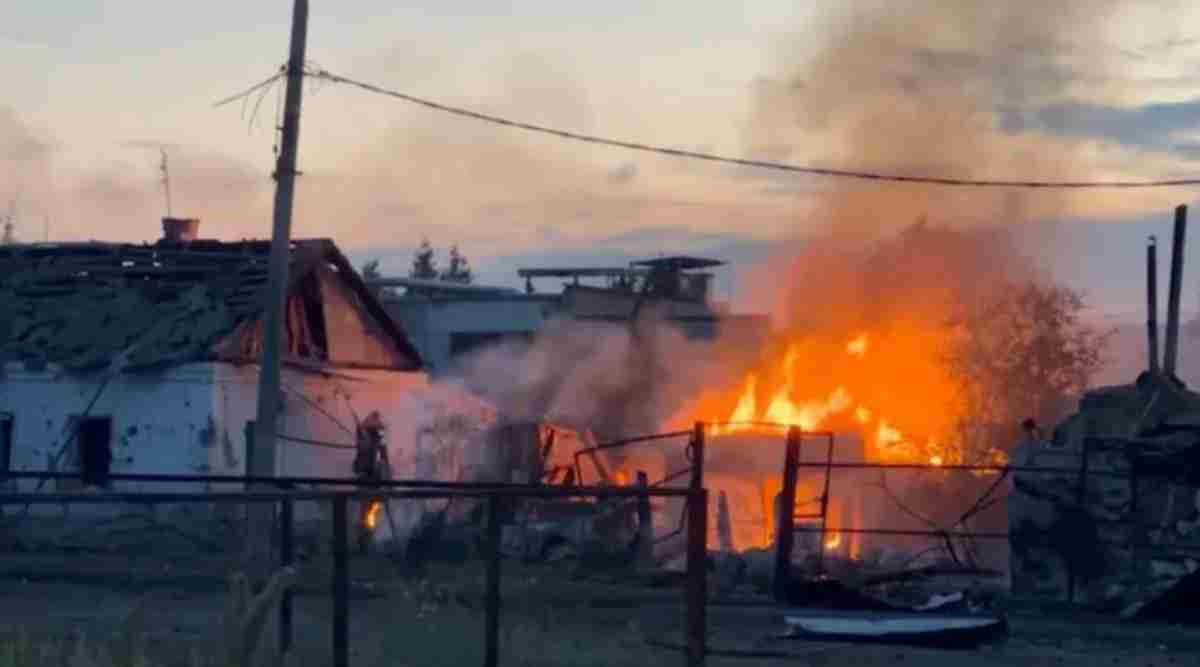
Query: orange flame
x,y
373,515
892,390
858,346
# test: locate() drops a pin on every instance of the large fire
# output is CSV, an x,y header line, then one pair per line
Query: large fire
x,y
788,407
889,387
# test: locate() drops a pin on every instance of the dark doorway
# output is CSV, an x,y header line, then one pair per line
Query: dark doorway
x,y
6,446
94,439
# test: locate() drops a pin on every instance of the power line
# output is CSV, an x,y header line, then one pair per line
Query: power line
x,y
250,91
761,164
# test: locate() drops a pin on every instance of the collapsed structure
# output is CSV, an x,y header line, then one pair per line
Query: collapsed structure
x,y
1114,521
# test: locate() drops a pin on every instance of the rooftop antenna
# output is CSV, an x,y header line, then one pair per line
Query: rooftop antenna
x,y
166,178
8,237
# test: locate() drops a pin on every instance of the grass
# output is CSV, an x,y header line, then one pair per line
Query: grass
x,y
548,618
244,618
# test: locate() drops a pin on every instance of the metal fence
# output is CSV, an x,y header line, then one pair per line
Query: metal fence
x,y
694,519
339,585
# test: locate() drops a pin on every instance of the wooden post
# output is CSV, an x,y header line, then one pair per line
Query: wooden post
x,y
249,433
341,583
1152,302
645,521
697,577
785,534
492,622
698,456
724,524
1081,500
1176,286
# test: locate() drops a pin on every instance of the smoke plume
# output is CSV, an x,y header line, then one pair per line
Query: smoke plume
x,y
614,380
937,88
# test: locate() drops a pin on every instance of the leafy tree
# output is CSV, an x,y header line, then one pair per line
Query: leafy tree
x,y
424,266
459,270
1024,352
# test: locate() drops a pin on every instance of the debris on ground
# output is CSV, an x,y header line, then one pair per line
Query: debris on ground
x,y
944,631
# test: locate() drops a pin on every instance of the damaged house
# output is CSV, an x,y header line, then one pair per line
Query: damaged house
x,y
122,358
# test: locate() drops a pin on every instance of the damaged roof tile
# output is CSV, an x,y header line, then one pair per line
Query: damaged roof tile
x,y
83,306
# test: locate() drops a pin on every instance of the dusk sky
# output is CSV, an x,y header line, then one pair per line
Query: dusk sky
x,y
92,87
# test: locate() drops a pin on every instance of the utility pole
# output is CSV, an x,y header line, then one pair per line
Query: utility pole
x,y
263,456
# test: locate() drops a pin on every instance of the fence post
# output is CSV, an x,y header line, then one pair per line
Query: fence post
x,y
645,520
697,577
724,525
286,557
1081,502
341,583
825,508
698,456
1141,537
492,623
785,513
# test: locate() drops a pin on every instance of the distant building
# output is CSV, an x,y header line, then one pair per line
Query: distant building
x,y
447,321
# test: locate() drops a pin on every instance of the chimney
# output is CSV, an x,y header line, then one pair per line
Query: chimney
x,y
180,230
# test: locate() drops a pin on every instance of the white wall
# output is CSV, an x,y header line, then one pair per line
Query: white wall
x,y
160,422
192,419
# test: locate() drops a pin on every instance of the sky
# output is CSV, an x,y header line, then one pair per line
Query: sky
x,y
1097,90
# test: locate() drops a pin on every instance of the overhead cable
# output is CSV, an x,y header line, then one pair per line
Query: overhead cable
x,y
760,164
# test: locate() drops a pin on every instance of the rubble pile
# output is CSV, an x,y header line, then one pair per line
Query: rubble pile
x,y
1129,534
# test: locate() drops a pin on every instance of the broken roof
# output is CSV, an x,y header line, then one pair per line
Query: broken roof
x,y
88,305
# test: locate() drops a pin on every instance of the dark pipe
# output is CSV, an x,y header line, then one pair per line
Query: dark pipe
x,y
1172,351
1152,302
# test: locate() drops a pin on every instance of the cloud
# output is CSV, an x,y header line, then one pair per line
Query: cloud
x,y
1153,126
926,92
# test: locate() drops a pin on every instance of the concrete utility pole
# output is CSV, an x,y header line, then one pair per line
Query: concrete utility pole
x,y
263,456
